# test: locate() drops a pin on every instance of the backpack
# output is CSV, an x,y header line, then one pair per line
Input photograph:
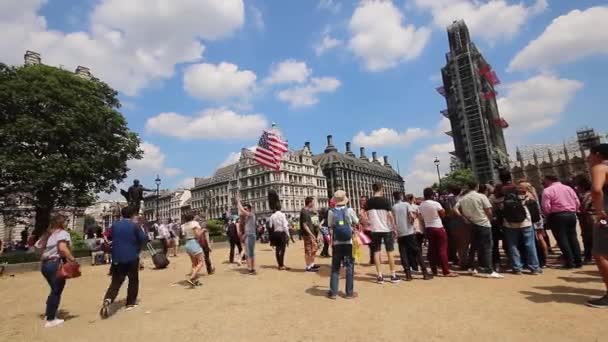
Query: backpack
x,y
341,229
534,210
513,210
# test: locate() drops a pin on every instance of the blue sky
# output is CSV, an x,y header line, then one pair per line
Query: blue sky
x,y
199,80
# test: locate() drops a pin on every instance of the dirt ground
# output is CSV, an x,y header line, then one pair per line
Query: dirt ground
x,y
290,306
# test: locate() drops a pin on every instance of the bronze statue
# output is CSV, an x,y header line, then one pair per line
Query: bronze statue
x,y
134,195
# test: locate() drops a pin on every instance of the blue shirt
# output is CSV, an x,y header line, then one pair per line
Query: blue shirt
x,y
127,239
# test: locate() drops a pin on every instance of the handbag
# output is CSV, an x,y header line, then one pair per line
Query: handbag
x,y
68,270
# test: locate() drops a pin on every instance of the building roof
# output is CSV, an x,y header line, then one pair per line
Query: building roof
x,y
223,174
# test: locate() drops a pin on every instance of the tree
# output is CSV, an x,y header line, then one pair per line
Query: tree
x,y
457,178
63,138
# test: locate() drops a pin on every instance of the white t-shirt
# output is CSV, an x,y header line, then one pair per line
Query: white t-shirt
x,y
429,210
279,222
402,212
188,229
51,250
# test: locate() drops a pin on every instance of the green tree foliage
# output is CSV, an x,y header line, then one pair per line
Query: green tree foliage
x,y
62,138
215,227
455,179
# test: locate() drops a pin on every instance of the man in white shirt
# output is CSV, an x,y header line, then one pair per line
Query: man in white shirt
x,y
475,208
383,230
432,212
405,215
164,236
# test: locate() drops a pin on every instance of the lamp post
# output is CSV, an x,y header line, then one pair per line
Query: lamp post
x,y
157,181
436,161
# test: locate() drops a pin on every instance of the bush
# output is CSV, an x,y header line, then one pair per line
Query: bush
x,y
23,257
215,227
77,240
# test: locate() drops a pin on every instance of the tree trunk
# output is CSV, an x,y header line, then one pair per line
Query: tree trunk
x,y
43,206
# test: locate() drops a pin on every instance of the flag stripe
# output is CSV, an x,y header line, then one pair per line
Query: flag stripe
x,y
270,150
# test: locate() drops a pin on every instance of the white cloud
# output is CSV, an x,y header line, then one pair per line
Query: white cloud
x,y
443,126
186,183
215,123
423,172
288,71
380,38
332,6
234,157
172,171
569,37
326,43
490,20
257,18
388,136
218,82
436,77
536,103
152,163
128,44
307,95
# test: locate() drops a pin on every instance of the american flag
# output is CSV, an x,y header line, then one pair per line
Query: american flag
x,y
270,150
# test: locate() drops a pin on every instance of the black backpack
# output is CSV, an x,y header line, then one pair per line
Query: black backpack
x,y
534,210
513,210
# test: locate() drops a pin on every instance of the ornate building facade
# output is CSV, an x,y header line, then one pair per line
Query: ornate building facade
x,y
356,175
170,205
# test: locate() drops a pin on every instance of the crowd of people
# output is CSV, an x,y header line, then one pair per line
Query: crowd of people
x,y
463,230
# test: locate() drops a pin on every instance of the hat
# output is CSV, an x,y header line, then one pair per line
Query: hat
x,y
340,197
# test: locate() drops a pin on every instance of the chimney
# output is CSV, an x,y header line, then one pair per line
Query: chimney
x,y
83,72
348,150
330,145
386,161
32,58
375,158
362,153
307,145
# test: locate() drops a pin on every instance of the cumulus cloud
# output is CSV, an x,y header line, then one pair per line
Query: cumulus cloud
x,y
257,18
569,37
333,6
326,43
234,157
288,71
218,82
490,20
308,95
380,38
152,163
389,137
422,172
128,44
536,103
215,123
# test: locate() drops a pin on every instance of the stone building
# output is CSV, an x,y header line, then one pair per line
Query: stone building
x,y
356,175
214,197
169,205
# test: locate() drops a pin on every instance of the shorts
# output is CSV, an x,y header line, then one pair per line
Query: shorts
x,y
309,246
377,238
600,240
193,248
249,240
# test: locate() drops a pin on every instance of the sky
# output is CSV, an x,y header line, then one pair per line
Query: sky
x,y
201,79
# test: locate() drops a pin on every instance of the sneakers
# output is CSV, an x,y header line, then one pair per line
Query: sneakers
x,y
105,309
472,271
134,306
331,295
427,276
395,279
313,268
495,275
252,272
537,272
380,279
53,323
600,303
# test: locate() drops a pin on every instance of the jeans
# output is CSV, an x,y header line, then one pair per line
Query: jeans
x,y
234,243
119,273
410,252
513,237
438,249
250,245
49,271
165,244
342,255
481,238
565,227
280,243
497,236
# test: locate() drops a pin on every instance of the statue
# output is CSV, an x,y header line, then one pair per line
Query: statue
x,y
134,195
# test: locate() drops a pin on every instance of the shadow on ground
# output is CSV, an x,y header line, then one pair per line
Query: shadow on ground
x,y
561,294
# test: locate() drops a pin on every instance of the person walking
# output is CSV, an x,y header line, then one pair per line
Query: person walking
x,y
164,235
325,235
598,160
560,205
431,213
475,209
233,240
307,230
55,247
192,233
280,235
342,221
383,230
409,251
127,239
249,234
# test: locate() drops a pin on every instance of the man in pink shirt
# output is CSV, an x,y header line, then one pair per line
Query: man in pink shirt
x,y
560,204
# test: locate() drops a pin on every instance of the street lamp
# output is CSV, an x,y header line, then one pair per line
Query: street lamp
x,y
436,161
157,181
